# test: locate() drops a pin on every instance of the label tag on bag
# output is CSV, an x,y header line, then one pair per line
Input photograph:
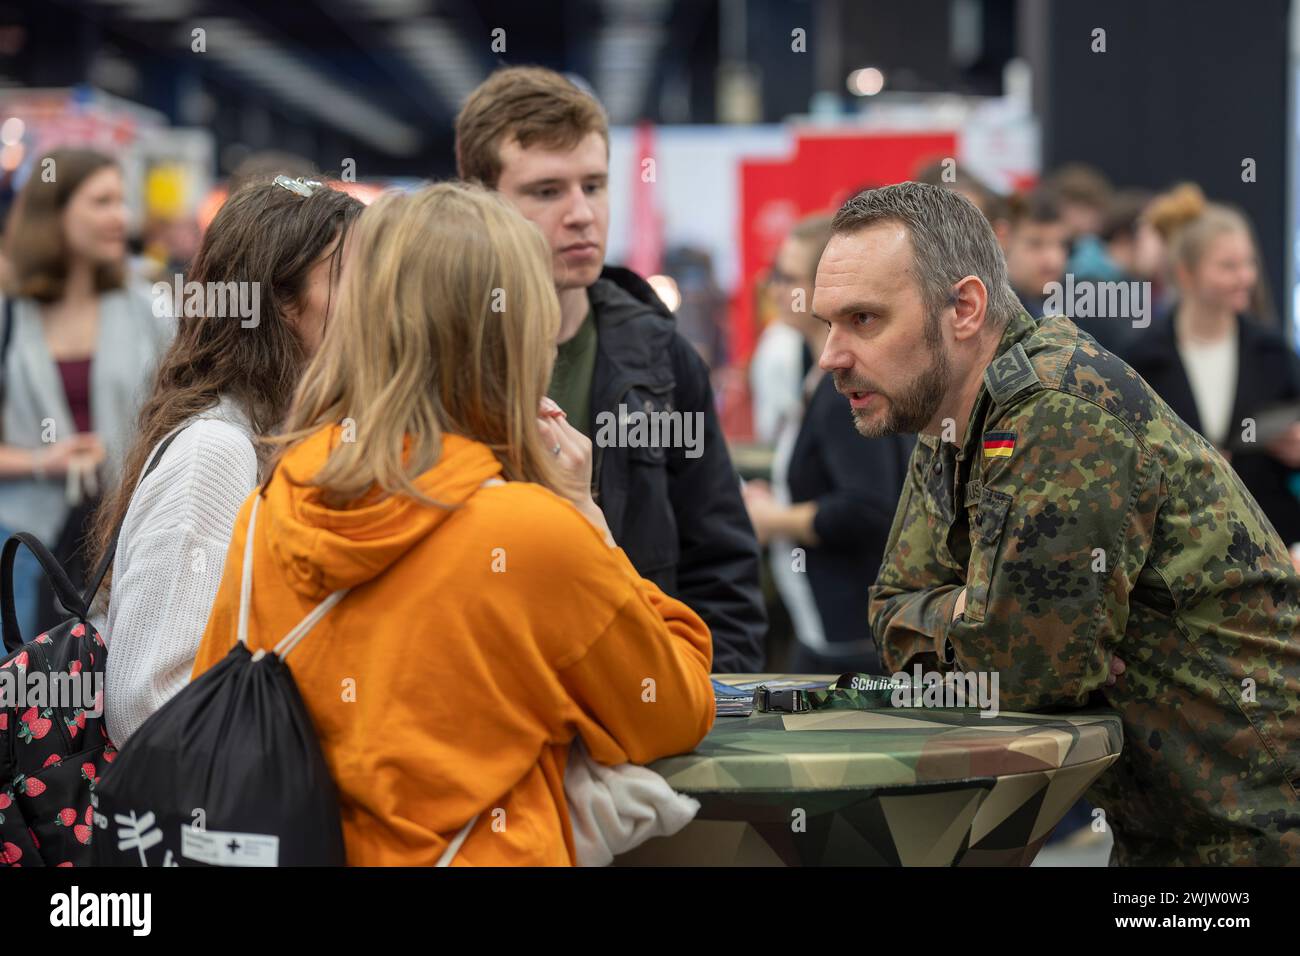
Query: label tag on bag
x,y
224,848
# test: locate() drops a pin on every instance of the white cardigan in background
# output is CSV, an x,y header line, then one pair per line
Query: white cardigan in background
x,y
169,561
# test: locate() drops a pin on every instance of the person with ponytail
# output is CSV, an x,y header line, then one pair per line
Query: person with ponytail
x,y
225,383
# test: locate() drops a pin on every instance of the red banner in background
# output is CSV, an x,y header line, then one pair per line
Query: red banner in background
x,y
823,172
646,248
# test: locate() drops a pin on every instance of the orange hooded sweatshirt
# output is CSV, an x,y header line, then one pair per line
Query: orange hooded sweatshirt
x,y
475,644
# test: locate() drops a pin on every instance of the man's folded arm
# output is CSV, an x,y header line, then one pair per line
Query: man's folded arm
x,y
914,596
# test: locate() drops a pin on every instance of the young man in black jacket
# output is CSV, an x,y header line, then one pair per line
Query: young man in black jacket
x,y
674,507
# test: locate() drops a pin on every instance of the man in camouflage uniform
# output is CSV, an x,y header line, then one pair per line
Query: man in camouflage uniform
x,y
1057,516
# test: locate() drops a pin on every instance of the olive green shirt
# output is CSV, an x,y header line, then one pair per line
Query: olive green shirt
x,y
571,378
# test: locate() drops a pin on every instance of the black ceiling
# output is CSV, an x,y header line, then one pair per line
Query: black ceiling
x,y
360,46
381,80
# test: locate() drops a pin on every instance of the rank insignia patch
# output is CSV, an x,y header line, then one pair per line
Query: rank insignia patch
x,y
1010,374
999,444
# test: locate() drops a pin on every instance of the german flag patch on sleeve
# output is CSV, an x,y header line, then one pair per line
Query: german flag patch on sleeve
x,y
999,444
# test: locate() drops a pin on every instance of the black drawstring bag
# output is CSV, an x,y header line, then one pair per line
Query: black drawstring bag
x,y
229,772
53,752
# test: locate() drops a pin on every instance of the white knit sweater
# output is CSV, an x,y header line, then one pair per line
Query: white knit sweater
x,y
169,561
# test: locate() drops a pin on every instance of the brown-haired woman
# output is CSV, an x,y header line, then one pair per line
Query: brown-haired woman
x,y
225,383
79,347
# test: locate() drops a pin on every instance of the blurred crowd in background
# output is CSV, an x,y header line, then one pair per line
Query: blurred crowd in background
x,y
1199,326
721,188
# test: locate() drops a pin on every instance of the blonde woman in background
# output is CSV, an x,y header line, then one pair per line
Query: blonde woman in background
x,y
1213,360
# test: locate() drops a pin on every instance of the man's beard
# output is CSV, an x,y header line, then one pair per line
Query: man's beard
x,y
911,408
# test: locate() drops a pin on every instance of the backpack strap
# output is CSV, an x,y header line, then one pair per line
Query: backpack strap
x,y
60,583
453,847
290,640
6,336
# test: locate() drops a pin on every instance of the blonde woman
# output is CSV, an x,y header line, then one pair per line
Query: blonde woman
x,y
1215,362
490,620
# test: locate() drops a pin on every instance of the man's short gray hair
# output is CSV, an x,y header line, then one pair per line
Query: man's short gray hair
x,y
951,239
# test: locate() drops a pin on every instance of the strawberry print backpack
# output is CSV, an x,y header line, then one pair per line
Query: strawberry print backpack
x,y
54,745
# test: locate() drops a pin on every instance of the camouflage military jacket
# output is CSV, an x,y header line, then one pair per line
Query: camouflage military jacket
x,y
1086,520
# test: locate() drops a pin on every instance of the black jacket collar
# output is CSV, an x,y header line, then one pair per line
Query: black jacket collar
x,y
1155,357
634,331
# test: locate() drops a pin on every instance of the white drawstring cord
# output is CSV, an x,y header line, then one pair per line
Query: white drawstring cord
x,y
290,640
246,579
453,847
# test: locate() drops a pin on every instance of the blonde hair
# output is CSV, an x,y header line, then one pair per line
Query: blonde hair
x,y
446,321
1188,222
1170,211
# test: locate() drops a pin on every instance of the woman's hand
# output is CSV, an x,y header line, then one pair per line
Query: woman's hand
x,y
55,460
572,450
1286,447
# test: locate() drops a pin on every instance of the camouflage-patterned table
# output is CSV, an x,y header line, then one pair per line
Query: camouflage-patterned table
x,y
924,786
